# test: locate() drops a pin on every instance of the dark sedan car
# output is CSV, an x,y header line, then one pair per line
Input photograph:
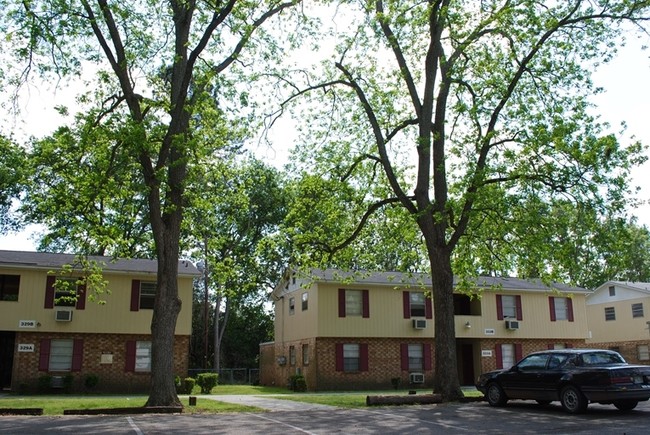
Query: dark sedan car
x,y
575,377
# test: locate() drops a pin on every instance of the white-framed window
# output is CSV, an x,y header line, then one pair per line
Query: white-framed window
x,y
643,352
637,310
561,309
143,356
612,290
353,302
147,295
508,355
292,306
416,356
292,355
305,301
61,355
610,313
509,306
558,346
351,357
417,304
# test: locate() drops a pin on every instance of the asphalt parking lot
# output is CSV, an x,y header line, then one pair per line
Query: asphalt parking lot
x,y
517,417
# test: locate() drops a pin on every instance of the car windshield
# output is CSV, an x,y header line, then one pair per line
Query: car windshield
x,y
601,358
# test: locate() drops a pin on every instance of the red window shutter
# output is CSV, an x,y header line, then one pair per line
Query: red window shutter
x,y
135,295
130,356
365,299
44,355
499,308
77,354
428,308
518,353
551,306
49,291
499,356
339,357
404,355
569,307
520,315
363,357
427,356
341,302
406,304
81,297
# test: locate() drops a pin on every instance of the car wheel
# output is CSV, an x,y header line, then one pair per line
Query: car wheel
x,y
573,400
626,405
543,402
495,395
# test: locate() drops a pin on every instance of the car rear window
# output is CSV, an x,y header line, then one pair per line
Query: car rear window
x,y
601,358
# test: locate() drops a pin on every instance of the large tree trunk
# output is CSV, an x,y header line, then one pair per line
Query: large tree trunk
x,y
446,382
163,326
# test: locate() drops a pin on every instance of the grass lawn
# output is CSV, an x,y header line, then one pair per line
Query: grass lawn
x,y
56,404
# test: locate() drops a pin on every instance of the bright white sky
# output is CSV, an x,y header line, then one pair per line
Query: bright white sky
x,y
626,81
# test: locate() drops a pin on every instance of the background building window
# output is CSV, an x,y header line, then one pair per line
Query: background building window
x,y
351,358
143,356
292,355
292,306
416,357
65,292
305,354
612,290
353,302
610,313
417,301
509,306
637,310
561,308
9,286
305,301
147,295
61,355
643,352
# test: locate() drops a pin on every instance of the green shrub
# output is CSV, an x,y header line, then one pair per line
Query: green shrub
x,y
188,385
67,383
297,383
395,382
207,381
91,381
44,384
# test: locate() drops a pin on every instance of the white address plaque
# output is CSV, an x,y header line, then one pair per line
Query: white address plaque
x,y
25,348
27,323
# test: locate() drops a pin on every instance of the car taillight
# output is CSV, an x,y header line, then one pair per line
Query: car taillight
x,y
621,380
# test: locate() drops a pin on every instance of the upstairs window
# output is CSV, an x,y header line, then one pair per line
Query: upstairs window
x,y
305,301
610,313
509,307
612,290
147,295
9,286
417,304
561,308
354,303
637,310
65,292
292,306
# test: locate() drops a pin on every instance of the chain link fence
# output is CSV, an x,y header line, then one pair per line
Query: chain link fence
x,y
241,376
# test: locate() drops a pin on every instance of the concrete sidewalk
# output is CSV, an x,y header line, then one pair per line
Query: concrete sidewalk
x,y
269,403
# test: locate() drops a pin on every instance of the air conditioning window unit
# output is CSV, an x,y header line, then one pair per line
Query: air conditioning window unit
x,y
63,315
419,323
417,378
512,324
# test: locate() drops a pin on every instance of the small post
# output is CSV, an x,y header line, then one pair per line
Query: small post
x,y
192,400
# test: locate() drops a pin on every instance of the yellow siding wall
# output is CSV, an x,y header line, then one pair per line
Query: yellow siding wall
x,y
624,328
386,317
115,316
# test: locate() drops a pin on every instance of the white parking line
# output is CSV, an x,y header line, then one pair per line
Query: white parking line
x,y
282,423
134,426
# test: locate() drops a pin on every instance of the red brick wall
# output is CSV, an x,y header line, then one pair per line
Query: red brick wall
x,y
628,349
527,346
112,377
